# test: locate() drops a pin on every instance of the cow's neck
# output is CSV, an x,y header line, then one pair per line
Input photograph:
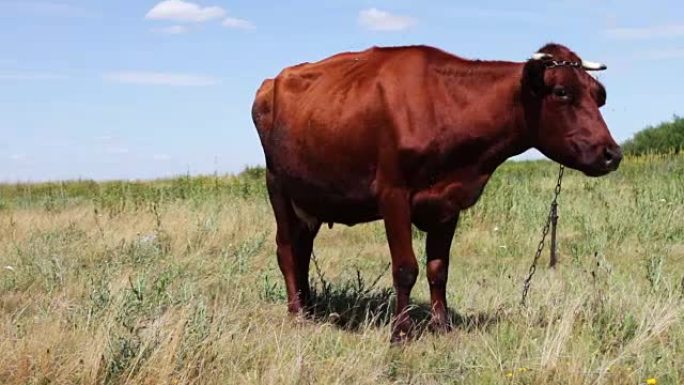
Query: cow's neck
x,y
493,103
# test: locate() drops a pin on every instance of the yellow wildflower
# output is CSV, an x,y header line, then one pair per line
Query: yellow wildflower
x,y
509,374
651,381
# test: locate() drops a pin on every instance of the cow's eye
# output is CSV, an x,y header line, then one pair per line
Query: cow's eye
x,y
561,93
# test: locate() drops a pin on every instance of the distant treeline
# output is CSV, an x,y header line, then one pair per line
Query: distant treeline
x,y
665,138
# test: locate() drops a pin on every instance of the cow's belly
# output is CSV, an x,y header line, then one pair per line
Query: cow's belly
x,y
354,200
347,202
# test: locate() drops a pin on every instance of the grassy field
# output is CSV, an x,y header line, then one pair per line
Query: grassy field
x,y
176,282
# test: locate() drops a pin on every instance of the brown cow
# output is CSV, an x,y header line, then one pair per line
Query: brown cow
x,y
412,135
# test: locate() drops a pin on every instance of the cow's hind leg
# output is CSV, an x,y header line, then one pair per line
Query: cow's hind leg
x,y
437,245
294,240
303,247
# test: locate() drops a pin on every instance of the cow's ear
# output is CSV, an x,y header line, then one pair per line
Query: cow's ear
x,y
533,77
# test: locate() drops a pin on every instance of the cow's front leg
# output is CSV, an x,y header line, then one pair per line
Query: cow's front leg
x,y
437,245
396,212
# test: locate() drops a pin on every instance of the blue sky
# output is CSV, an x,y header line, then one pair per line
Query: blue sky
x,y
141,89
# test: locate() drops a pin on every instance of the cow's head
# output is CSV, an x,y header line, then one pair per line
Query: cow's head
x,y
562,104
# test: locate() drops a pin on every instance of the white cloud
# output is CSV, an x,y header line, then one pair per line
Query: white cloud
x,y
161,79
30,75
643,33
184,11
232,22
172,30
377,20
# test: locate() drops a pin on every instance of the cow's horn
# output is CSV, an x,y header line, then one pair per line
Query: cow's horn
x,y
593,66
541,56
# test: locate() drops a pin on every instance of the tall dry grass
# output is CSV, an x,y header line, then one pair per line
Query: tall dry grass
x,y
176,282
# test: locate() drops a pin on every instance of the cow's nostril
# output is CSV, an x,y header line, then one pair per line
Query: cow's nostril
x,y
608,155
612,156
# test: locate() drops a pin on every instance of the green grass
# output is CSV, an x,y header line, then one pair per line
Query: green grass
x,y
176,281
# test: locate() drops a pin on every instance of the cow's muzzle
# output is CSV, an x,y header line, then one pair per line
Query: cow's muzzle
x,y
607,160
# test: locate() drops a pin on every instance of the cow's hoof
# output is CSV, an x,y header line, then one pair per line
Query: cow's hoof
x,y
399,338
440,326
402,333
300,319
298,314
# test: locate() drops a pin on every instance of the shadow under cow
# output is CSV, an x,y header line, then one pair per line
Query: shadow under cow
x,y
352,308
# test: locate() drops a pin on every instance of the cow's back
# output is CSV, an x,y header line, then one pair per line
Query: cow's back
x,y
333,108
